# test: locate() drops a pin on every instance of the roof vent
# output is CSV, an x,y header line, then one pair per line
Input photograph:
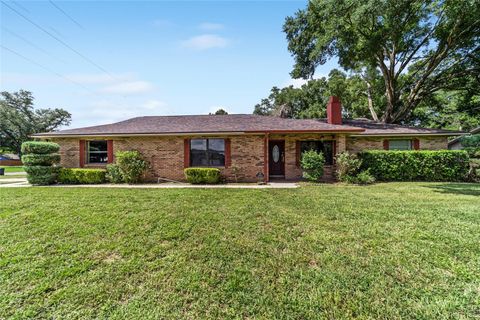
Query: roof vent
x,y
334,110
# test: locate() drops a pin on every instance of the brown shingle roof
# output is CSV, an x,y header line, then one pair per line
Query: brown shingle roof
x,y
239,123
376,128
204,124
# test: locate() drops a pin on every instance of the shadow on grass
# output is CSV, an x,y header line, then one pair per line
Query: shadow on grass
x,y
471,189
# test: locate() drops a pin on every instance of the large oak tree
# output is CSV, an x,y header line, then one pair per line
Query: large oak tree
x,y
418,47
19,120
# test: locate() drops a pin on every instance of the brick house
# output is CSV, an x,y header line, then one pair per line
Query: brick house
x,y
241,144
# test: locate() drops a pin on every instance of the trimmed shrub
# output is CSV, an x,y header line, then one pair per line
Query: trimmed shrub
x,y
131,164
364,177
40,159
39,147
474,172
114,175
203,175
347,166
41,175
442,165
312,165
81,176
473,152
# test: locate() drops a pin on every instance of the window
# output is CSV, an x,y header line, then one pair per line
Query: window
x,y
400,145
97,151
207,152
326,147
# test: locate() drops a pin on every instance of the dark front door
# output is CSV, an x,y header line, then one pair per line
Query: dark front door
x,y
276,156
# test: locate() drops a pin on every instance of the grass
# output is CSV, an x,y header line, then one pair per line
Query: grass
x,y
390,251
13,168
18,170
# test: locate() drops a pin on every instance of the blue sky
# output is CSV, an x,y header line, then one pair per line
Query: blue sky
x,y
147,58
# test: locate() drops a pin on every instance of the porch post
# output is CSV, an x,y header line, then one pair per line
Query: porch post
x,y
265,158
340,143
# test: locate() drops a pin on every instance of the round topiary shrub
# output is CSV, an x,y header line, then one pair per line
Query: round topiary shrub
x,y
39,147
39,159
41,175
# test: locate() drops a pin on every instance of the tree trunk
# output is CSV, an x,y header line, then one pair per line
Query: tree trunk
x,y
389,91
370,102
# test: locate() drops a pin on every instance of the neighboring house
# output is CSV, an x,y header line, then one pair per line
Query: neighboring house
x,y
10,159
242,144
456,144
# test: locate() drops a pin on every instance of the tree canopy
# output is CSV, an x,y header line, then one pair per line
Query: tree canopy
x,y
220,112
418,47
310,100
19,120
364,98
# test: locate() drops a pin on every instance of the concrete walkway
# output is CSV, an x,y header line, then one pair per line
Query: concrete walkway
x,y
15,173
272,185
14,182
20,182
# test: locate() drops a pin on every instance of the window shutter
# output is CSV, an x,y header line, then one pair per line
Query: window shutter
x,y
186,153
416,144
228,154
297,153
386,144
109,151
82,153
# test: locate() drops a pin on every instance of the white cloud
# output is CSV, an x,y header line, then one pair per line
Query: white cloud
x,y
210,26
130,87
108,111
154,104
205,41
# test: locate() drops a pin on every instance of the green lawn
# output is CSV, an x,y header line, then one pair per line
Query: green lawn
x,y
13,168
389,251
18,170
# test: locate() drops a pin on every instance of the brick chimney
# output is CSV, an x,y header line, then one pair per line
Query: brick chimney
x,y
334,111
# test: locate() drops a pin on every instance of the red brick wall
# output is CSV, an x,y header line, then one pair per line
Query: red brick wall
x,y
166,155
358,144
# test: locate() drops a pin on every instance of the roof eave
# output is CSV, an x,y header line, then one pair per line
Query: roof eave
x,y
82,135
445,134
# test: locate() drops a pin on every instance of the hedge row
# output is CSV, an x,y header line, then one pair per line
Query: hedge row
x,y
202,175
443,165
81,176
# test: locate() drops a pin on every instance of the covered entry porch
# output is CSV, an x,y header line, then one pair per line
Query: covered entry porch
x,y
282,153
